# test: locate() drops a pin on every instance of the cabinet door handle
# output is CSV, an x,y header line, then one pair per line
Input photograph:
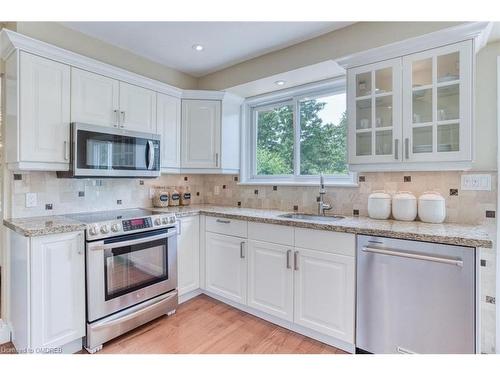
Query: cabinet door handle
x,y
123,119
66,150
396,149
217,160
407,148
288,254
117,118
223,221
179,227
296,260
242,249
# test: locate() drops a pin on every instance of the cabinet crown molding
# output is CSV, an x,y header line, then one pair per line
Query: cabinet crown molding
x,y
11,41
479,31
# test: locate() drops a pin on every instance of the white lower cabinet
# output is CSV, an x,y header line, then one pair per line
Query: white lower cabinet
x,y
188,254
226,266
270,278
324,293
313,289
48,309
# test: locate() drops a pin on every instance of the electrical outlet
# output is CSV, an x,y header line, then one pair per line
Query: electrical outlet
x,y
216,190
476,182
151,193
31,200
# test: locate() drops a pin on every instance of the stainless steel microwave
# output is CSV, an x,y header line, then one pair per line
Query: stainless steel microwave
x,y
98,151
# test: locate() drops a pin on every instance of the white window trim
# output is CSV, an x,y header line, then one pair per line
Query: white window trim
x,y
248,138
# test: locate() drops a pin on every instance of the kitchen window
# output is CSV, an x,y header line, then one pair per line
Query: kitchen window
x,y
295,135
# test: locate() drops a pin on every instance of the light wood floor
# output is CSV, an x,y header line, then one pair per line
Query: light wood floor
x,y
205,325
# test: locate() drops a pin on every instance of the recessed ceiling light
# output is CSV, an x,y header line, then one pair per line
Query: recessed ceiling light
x,y
198,47
280,82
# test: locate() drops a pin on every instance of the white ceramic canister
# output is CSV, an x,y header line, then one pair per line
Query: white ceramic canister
x,y
379,205
431,207
404,206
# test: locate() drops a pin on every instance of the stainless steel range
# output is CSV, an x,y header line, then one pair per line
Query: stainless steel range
x,y
131,271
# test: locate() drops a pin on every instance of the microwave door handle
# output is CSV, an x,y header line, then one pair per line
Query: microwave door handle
x,y
151,155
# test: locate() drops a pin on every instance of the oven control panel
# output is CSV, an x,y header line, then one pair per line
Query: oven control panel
x,y
135,224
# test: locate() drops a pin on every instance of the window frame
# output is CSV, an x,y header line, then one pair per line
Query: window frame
x,y
293,96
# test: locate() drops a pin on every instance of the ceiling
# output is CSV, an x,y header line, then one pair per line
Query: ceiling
x,y
225,43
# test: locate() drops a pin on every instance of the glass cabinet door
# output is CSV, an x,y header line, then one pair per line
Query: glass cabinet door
x,y
374,101
437,104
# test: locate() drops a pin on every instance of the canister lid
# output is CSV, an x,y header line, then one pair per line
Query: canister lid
x,y
404,195
431,196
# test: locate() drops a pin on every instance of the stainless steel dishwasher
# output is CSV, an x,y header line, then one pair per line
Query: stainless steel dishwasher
x,y
414,297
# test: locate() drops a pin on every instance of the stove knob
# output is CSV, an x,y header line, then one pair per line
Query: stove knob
x,y
93,230
105,229
158,221
115,227
171,219
164,220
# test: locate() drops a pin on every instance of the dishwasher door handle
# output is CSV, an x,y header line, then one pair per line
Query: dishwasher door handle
x,y
430,258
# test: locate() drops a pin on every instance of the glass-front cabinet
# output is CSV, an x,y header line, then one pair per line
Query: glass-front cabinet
x,y
413,109
374,111
437,102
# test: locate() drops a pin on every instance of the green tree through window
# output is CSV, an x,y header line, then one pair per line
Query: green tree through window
x,y
323,145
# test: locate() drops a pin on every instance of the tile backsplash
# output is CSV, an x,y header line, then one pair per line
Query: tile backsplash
x,y
78,195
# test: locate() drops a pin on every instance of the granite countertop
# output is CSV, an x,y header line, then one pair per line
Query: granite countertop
x,y
447,233
43,225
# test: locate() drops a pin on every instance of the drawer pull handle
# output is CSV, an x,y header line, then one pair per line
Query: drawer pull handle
x,y
288,254
223,221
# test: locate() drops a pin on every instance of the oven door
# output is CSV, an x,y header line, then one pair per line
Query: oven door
x,y
109,152
126,270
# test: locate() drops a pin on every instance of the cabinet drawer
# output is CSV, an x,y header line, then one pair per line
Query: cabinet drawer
x,y
230,227
279,234
331,242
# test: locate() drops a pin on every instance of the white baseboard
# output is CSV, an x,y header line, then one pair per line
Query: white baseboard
x,y
348,347
187,296
4,332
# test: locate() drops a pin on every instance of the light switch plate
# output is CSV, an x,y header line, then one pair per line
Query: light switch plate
x,y
31,200
476,182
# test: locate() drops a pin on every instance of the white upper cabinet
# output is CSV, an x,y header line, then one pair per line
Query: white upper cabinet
x,y
137,108
94,98
168,122
413,112
437,102
44,113
201,126
375,112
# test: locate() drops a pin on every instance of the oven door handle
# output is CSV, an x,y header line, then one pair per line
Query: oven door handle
x,y
137,241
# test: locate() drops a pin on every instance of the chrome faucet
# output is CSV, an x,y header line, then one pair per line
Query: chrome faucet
x,y
322,206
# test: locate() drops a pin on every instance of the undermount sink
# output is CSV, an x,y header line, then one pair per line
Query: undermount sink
x,y
312,217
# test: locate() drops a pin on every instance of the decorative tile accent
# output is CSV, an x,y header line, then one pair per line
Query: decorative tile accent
x,y
453,192
118,201
224,186
355,212
81,193
141,182
235,179
256,191
275,188
18,177
295,208
49,206
239,204
185,178
406,178
483,263
490,214
361,178
197,193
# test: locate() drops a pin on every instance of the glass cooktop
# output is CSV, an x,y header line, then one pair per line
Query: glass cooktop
x,y
97,217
